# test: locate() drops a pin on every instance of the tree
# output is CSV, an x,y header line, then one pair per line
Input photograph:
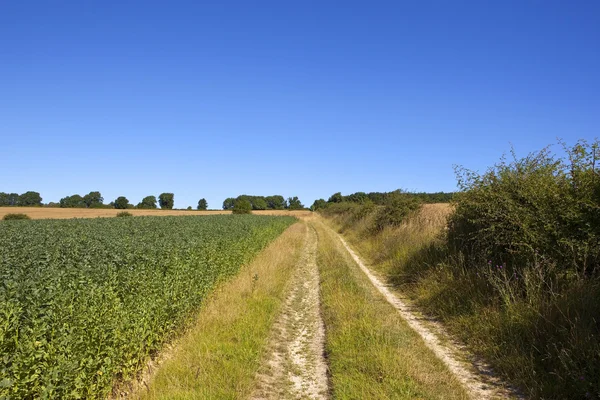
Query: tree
x,y
121,203
8,199
275,202
336,198
318,205
93,200
259,203
74,201
228,203
202,204
242,206
294,203
148,202
166,201
28,199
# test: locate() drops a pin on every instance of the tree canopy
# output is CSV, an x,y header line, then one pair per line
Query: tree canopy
x,y
121,203
166,201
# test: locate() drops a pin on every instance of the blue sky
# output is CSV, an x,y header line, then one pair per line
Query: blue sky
x,y
216,99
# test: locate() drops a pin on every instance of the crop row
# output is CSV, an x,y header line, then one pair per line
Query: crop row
x,y
85,302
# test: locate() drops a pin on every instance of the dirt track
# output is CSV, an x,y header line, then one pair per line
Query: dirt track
x,y
296,367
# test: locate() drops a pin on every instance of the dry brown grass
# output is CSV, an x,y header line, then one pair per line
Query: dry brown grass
x,y
65,213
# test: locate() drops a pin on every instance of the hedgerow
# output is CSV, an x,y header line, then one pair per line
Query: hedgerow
x,y
84,303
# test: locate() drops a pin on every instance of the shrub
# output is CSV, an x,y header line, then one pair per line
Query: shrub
x,y
15,216
124,214
242,206
398,207
536,208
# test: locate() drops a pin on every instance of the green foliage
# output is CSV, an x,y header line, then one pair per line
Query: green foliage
x,y
259,204
74,201
85,302
336,198
395,211
8,199
275,202
29,199
14,216
242,206
294,203
318,205
124,214
121,203
202,204
93,200
166,201
537,207
148,203
228,203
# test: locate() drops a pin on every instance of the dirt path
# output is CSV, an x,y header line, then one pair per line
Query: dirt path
x,y
296,367
477,379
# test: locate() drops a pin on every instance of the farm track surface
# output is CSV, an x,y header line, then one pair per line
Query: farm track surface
x,y
296,367
476,377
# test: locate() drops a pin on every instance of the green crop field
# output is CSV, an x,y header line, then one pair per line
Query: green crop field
x,y
85,302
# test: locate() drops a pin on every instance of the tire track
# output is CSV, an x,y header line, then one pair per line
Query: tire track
x,y
296,367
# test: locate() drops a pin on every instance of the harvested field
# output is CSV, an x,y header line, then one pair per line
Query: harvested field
x,y
65,213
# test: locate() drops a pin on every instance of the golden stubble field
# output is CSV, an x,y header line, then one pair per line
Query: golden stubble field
x,y
65,213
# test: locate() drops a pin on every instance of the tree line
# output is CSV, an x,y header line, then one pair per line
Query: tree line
x,y
166,201
382,198
275,202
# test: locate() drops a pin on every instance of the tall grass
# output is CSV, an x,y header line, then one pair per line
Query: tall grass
x,y
511,267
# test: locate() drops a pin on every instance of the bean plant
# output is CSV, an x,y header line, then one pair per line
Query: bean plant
x,y
85,302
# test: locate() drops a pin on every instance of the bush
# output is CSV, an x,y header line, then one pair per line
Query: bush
x,y
15,216
242,206
537,208
397,209
124,214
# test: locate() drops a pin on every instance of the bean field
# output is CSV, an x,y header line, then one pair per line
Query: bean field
x,y
85,302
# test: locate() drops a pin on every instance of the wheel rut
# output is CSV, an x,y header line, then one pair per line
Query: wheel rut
x,y
296,367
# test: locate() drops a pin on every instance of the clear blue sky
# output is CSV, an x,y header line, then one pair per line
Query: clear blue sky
x,y
298,98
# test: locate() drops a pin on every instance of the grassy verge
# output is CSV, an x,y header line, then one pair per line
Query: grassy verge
x,y
372,352
219,356
538,336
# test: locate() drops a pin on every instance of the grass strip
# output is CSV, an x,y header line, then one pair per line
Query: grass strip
x,y
372,352
219,357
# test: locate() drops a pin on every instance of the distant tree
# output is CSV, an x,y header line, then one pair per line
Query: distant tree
x,y
336,198
294,203
228,203
8,199
74,201
121,203
259,203
52,204
93,200
29,199
275,202
166,201
358,197
242,206
148,202
318,205
189,208
202,204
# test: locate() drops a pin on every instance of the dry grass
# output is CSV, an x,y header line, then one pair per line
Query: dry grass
x,y
373,353
65,213
219,356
